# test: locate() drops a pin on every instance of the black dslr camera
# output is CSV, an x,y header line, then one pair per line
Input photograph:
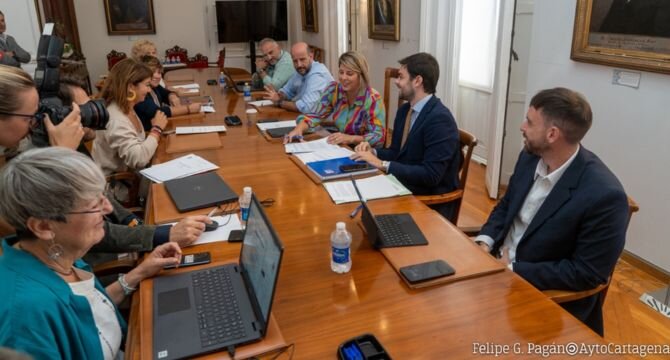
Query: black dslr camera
x,y
94,115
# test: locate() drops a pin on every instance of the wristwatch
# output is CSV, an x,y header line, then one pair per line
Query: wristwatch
x,y
385,166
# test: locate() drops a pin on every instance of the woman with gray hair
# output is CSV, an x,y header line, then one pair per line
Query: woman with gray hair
x,y
351,104
53,197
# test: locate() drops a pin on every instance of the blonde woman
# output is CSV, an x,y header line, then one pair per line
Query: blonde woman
x,y
124,145
143,47
351,104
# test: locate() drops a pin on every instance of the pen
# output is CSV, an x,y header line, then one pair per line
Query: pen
x,y
168,132
211,213
356,210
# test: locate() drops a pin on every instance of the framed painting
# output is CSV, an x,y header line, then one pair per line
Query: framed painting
x,y
621,33
130,17
310,18
384,19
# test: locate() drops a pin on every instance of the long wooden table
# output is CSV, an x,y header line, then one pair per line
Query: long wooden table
x,y
318,309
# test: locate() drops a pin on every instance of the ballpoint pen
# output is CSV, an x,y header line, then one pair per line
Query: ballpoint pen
x,y
211,213
356,210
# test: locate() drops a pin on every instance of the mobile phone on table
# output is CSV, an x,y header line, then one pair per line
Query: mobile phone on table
x,y
211,82
236,236
193,259
355,167
232,120
426,271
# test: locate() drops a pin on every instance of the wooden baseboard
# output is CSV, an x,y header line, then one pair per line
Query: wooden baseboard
x,y
646,266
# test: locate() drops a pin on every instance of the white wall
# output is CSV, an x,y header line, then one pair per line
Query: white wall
x,y
630,127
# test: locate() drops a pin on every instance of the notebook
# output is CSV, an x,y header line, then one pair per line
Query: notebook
x,y
199,191
390,230
330,169
221,307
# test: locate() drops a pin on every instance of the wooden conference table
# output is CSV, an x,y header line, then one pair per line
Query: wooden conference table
x,y
317,309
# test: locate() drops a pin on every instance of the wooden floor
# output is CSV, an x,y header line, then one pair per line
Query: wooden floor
x,y
627,319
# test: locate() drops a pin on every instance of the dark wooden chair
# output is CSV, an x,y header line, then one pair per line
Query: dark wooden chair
x,y
176,51
317,52
221,61
113,57
389,74
199,61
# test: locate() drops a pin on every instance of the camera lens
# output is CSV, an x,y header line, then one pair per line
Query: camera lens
x,y
94,115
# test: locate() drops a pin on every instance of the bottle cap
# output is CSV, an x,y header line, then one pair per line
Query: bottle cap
x,y
340,225
247,189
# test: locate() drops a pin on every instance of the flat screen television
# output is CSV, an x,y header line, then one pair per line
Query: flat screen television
x,y
245,20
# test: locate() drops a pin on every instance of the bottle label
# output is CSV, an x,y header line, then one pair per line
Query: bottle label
x,y
245,213
340,256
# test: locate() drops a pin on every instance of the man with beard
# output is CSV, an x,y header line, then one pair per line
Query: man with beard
x,y
275,67
424,154
562,222
303,90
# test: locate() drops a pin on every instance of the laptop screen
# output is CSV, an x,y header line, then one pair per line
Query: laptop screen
x,y
260,257
369,221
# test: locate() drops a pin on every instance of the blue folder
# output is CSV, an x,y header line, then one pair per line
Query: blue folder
x,y
330,169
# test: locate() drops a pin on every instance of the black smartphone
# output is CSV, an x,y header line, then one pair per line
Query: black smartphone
x,y
236,236
232,120
426,271
355,167
193,259
211,82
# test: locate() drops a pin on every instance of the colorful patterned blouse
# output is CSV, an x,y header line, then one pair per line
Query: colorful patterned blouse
x,y
365,117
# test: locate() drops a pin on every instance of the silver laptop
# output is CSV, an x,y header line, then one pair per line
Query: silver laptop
x,y
221,307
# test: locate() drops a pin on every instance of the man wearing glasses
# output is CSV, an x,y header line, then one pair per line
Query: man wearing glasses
x,y
275,67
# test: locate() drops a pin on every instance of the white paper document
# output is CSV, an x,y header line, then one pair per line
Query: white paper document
x,y
207,109
227,223
180,130
261,103
187,86
309,146
340,152
275,125
376,187
178,168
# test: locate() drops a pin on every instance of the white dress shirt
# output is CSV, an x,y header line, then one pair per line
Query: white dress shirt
x,y
541,188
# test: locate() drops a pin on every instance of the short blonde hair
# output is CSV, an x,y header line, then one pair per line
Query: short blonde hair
x,y
141,48
125,72
13,81
356,62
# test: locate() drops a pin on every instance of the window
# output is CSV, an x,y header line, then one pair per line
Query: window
x,y
479,34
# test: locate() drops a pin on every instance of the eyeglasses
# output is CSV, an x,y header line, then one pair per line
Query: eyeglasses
x,y
99,208
35,116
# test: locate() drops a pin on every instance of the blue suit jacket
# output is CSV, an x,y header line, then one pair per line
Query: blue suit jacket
x,y
428,163
577,235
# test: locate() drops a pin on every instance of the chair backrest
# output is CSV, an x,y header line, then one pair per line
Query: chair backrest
x,y
389,75
467,143
198,61
221,61
318,53
176,51
113,57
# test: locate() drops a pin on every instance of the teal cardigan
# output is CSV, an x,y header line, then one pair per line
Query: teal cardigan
x,y
40,314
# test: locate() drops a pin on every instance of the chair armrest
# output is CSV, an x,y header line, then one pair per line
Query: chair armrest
x,y
470,231
116,266
441,198
126,175
561,296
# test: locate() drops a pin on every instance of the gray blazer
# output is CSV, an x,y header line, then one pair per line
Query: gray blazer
x,y
20,55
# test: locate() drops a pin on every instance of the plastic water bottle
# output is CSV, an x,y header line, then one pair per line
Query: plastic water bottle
x,y
247,92
222,80
340,245
245,202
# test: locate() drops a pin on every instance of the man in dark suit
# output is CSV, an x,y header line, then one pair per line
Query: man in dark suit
x,y
424,153
562,222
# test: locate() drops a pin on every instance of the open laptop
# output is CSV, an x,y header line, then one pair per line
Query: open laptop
x,y
222,307
389,230
199,191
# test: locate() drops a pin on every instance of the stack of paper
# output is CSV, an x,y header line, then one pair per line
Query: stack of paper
x,y
261,103
376,187
207,109
323,155
227,223
187,88
309,146
178,168
275,125
199,129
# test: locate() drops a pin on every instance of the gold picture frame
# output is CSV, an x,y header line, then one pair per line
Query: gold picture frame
x,y
384,19
130,17
607,33
310,16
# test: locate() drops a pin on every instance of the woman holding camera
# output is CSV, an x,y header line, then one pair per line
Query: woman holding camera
x,y
124,144
159,98
55,305
19,103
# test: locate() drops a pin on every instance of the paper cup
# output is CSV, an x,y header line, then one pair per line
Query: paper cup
x,y
251,115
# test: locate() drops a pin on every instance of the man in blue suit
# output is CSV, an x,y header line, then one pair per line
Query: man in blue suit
x,y
562,222
424,154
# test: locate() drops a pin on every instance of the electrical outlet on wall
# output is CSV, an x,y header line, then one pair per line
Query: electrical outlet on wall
x,y
626,78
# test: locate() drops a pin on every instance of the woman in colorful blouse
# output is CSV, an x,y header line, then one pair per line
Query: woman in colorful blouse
x,y
351,104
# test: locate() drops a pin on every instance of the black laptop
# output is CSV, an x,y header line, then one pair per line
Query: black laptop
x,y
389,230
222,307
199,191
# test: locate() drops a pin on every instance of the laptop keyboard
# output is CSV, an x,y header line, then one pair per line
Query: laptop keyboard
x,y
392,233
218,311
